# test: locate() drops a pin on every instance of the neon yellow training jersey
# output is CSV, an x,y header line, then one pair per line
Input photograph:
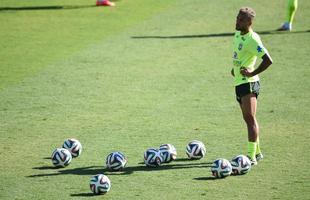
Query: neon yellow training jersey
x,y
246,50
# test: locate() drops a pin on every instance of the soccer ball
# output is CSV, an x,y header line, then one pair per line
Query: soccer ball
x,y
195,150
61,157
74,146
221,168
169,152
240,165
153,157
100,184
116,161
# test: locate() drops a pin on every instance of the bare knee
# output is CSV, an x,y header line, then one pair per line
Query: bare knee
x,y
249,119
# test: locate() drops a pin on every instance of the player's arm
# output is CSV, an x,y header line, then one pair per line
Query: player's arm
x,y
267,61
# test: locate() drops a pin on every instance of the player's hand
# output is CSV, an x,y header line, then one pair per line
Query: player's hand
x,y
245,72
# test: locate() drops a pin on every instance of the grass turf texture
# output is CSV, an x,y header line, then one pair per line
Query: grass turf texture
x,y
138,75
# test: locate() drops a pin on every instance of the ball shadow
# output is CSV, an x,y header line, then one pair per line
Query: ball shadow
x,y
47,167
141,167
208,178
89,194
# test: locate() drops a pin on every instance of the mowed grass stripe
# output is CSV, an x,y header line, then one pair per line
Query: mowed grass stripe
x,y
33,39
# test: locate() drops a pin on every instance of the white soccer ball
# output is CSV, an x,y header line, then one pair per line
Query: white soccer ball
x,y
61,157
240,165
100,184
74,146
195,150
116,161
169,152
153,157
221,168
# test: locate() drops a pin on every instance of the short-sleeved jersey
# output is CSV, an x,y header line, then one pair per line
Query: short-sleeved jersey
x,y
246,50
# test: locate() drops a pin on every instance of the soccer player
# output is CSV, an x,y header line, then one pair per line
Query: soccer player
x,y
247,46
104,3
290,13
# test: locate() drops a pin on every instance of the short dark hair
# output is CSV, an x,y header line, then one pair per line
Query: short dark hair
x,y
248,12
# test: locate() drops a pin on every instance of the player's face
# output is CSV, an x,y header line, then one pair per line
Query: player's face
x,y
243,22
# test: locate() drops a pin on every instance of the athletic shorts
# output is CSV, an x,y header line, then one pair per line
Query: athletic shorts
x,y
247,88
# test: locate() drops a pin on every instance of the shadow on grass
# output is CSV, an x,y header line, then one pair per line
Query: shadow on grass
x,y
46,167
184,160
29,8
270,32
179,160
208,178
92,170
84,195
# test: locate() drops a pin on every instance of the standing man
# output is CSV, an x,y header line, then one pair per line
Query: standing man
x,y
247,47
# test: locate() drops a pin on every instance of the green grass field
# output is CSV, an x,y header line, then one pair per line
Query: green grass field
x,y
138,75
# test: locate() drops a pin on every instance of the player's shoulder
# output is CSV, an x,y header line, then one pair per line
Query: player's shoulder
x,y
255,37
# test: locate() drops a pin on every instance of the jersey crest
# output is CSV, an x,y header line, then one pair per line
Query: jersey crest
x,y
259,49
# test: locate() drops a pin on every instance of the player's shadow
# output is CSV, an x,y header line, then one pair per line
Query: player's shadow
x,y
212,35
92,170
29,8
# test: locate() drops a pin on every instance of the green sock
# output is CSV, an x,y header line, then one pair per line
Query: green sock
x,y
291,10
252,149
258,151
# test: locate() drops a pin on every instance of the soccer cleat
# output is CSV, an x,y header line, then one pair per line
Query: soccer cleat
x,y
253,161
104,3
285,27
259,157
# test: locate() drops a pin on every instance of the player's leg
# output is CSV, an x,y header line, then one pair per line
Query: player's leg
x,y
290,14
291,10
259,156
248,106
